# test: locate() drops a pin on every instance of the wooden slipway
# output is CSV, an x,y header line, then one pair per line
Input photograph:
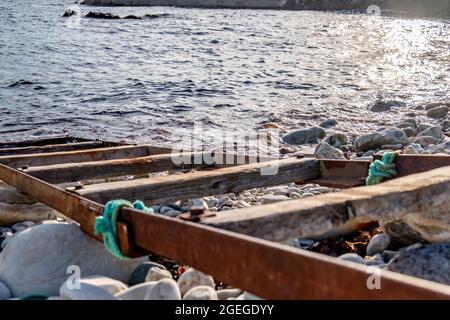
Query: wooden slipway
x,y
241,247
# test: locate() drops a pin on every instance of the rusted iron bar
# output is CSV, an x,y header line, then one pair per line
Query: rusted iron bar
x,y
342,174
264,268
44,159
199,184
406,164
267,269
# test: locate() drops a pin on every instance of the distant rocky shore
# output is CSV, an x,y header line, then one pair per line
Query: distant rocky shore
x,y
439,8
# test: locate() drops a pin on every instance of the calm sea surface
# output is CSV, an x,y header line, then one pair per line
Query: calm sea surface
x,y
145,80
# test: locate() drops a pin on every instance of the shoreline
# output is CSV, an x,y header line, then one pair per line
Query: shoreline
x,y
432,8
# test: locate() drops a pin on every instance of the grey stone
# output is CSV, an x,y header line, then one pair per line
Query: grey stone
x,y
86,291
435,132
413,148
36,260
422,126
352,257
411,121
140,272
110,285
438,112
164,289
368,153
10,195
391,147
425,141
325,151
404,125
248,296
303,136
5,230
201,293
337,140
445,124
328,123
22,226
5,293
136,292
194,278
156,274
198,202
410,132
430,262
270,198
377,244
386,105
388,255
225,294
14,213
172,213
5,240
377,139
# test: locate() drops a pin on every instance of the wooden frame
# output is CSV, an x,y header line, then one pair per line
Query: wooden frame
x,y
231,246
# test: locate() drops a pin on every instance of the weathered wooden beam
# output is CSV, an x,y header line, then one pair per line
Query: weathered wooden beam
x,y
52,148
44,159
198,184
42,142
239,260
337,212
70,172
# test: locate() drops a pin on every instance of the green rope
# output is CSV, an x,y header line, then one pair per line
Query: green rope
x,y
380,170
106,224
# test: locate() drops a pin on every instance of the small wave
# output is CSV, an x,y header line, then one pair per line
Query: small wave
x,y
21,83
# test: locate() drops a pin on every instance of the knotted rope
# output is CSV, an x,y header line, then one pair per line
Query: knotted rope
x,y
383,169
106,224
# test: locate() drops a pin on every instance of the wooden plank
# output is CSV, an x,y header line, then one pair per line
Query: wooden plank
x,y
42,142
52,148
199,184
239,260
69,172
43,159
338,212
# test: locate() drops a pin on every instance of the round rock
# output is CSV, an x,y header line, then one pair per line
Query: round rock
x,y
5,293
430,262
352,257
378,244
201,293
164,289
140,272
37,260
193,278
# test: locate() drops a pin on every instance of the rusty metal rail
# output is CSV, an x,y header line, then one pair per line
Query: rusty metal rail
x,y
265,268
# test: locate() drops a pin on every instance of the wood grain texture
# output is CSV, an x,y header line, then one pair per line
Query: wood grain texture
x,y
43,159
199,184
71,172
336,213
